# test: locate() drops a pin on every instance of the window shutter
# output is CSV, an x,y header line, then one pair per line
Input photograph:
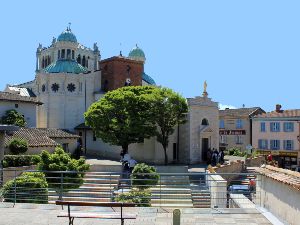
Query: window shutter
x,y
260,143
266,142
292,127
271,127
278,127
292,145
278,146
271,144
285,145
285,127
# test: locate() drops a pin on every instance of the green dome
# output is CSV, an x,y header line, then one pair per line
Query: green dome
x,y
148,79
137,54
67,35
65,66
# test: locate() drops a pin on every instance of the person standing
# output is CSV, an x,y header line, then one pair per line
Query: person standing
x,y
132,164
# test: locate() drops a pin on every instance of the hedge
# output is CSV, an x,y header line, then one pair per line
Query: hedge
x,y
144,176
31,187
141,198
20,160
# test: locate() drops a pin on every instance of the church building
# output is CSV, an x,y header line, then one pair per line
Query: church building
x,y
70,77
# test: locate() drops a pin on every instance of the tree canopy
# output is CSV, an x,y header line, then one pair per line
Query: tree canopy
x,y
170,109
123,116
13,117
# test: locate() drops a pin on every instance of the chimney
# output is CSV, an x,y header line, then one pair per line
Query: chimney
x,y
278,108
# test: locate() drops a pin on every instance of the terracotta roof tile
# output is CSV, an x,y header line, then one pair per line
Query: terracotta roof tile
x,y
284,113
240,112
39,137
289,177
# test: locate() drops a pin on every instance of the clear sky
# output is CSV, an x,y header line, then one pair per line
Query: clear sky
x,y
248,51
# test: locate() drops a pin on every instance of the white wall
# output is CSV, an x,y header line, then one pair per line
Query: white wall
x,y
27,109
281,199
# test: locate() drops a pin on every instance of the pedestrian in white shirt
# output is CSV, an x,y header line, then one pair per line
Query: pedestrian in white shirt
x,y
132,164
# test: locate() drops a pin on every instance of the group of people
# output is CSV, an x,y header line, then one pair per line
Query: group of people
x,y
214,157
127,162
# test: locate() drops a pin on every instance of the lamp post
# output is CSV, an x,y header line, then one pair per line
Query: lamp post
x,y
3,129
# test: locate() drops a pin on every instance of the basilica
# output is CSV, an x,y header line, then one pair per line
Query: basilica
x,y
70,77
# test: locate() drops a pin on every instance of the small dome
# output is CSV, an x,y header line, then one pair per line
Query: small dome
x,y
67,35
137,54
65,66
148,79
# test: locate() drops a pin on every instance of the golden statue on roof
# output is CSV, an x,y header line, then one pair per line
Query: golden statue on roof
x,y
204,86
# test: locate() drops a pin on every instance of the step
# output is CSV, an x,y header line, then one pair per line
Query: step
x,y
164,195
172,205
171,201
84,194
80,199
100,180
98,185
107,176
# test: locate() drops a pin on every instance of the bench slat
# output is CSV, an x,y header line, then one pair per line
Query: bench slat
x,y
105,204
97,215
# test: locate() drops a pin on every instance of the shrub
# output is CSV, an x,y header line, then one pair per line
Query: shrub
x,y
20,160
141,198
144,176
17,146
61,161
31,187
13,117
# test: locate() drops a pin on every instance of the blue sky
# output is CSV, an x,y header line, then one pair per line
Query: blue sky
x,y
248,51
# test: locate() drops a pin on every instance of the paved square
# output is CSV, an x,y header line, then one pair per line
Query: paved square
x,y
33,214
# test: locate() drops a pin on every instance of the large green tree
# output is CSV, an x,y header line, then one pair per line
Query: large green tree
x,y
13,117
170,109
123,116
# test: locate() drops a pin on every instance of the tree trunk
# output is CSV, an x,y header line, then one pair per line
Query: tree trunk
x,y
166,156
124,148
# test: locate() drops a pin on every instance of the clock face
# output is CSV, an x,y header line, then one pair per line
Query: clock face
x,y
43,88
71,87
55,87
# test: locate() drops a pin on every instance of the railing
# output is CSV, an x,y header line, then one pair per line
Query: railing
x,y
184,190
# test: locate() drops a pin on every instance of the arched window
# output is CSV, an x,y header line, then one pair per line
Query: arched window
x,y
73,54
83,61
204,122
79,59
43,62
68,53
58,55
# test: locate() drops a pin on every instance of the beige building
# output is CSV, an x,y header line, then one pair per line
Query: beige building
x,y
236,127
278,133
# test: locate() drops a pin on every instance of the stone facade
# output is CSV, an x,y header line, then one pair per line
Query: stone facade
x,y
201,131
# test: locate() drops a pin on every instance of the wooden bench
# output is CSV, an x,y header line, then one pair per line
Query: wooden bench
x,y
99,215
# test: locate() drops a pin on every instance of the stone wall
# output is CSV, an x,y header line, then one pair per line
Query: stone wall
x,y
255,162
280,199
10,173
233,167
218,190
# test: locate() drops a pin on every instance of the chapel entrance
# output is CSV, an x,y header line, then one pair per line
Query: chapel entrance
x,y
204,148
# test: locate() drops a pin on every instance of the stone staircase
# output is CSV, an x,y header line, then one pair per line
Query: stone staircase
x,y
172,191
201,198
95,188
